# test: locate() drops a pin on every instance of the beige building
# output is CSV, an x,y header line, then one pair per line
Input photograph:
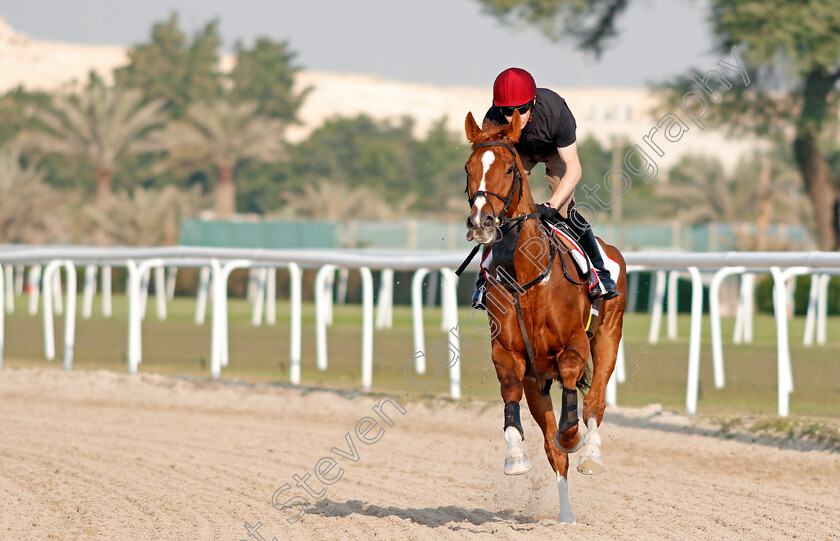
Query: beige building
x,y
604,113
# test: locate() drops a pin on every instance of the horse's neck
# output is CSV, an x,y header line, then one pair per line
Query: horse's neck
x,y
526,204
531,240
532,251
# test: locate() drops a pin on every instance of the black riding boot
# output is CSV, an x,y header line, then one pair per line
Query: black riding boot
x,y
480,294
605,288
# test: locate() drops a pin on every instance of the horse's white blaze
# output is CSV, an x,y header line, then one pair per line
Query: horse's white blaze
x,y
516,462
487,160
590,462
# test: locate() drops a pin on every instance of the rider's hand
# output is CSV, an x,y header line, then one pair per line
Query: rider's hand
x,y
546,210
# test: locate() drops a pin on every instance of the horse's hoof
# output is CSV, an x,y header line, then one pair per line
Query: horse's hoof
x,y
517,465
562,449
591,466
590,461
566,518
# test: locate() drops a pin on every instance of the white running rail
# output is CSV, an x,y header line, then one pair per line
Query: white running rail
x,y
218,263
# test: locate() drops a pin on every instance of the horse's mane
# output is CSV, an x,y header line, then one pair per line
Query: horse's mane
x,y
490,131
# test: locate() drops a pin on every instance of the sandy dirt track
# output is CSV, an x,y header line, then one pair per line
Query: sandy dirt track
x,y
99,455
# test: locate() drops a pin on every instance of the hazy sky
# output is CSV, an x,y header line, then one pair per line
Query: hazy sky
x,y
435,41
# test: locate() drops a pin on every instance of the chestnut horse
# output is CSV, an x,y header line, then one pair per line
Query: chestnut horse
x,y
539,310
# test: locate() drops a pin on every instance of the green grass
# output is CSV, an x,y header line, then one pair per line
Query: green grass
x,y
826,434
655,373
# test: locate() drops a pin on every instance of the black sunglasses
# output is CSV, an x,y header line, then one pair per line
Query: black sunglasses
x,y
508,110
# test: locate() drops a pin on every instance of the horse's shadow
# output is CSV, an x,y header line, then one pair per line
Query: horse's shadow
x,y
432,517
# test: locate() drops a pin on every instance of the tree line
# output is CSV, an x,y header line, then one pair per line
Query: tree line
x,y
122,162
792,50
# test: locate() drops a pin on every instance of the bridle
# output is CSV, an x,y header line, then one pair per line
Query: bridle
x,y
508,199
504,224
509,280
500,219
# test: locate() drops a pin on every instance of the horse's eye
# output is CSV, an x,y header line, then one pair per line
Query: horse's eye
x,y
510,171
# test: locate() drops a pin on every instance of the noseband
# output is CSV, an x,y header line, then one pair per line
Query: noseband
x,y
502,222
507,200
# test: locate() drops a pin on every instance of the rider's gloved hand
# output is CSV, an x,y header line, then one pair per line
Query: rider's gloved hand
x,y
546,210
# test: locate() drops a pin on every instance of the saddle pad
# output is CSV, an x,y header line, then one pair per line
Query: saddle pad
x,y
578,255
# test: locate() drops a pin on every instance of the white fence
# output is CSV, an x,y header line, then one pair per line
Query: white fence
x,y
216,265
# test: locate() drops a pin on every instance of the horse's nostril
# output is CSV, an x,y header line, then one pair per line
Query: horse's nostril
x,y
488,222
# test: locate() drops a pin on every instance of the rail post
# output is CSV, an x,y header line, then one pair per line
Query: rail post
x,y
295,326
693,379
714,316
417,318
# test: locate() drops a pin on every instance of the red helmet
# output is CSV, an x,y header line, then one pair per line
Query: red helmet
x,y
514,87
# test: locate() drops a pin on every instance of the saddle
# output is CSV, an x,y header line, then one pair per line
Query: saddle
x,y
559,235
559,228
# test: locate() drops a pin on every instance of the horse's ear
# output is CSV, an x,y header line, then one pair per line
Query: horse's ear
x,y
514,129
472,128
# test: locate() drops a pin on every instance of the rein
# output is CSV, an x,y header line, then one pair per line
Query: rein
x,y
508,199
513,226
506,225
509,230
501,221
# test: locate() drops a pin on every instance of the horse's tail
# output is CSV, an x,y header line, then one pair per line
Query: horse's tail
x,y
585,381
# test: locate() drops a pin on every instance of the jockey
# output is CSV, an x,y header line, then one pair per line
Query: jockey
x,y
548,136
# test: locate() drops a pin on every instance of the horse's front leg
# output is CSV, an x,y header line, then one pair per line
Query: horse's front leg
x,y
510,369
571,365
543,413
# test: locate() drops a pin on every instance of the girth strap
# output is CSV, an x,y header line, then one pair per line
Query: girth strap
x,y
554,240
566,272
532,360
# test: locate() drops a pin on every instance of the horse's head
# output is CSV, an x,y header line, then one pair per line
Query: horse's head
x,y
494,177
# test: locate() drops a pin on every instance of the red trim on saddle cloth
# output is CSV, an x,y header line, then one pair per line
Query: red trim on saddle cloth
x,y
565,236
481,265
611,259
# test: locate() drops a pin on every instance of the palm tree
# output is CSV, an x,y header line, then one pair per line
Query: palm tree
x,y
336,201
700,192
146,217
224,134
759,189
29,209
101,124
777,192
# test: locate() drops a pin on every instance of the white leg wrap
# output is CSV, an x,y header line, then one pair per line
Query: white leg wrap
x,y
516,462
590,462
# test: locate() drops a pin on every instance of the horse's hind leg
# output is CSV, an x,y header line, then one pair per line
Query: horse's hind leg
x,y
543,413
604,352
